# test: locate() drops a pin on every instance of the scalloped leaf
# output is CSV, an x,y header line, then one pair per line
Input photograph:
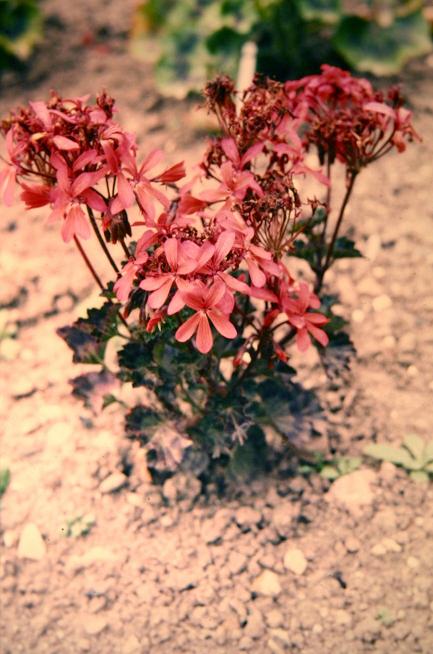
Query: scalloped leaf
x,y
416,446
428,452
419,476
370,47
385,452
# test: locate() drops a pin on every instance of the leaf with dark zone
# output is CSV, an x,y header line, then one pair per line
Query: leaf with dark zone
x,y
93,388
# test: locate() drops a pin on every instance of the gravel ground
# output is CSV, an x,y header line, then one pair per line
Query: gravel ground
x,y
284,563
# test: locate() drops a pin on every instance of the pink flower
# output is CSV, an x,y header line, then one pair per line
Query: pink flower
x,y
161,283
205,302
69,194
305,322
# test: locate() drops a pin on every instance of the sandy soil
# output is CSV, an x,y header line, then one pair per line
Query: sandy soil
x,y
282,564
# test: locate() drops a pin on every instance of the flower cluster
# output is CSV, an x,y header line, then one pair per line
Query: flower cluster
x,y
213,247
347,119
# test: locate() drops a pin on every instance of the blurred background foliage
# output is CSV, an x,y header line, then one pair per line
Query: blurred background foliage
x,y
191,40
20,30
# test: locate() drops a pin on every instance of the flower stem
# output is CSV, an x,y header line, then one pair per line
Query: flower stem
x,y
101,241
89,264
96,277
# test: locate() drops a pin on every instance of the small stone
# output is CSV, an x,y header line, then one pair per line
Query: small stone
x,y
94,624
9,538
378,550
236,562
369,286
412,371
387,471
181,487
113,483
412,562
295,561
255,627
267,583
391,545
275,647
381,303
353,490
213,529
93,556
247,517
31,544
358,316
246,643
352,544
274,618
407,342
131,646
282,518
372,247
343,618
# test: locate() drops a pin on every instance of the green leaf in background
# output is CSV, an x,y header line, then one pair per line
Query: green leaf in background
x,y
415,445
369,47
385,452
325,11
5,477
20,29
419,476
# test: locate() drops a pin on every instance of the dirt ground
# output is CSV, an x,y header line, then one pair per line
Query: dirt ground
x,y
284,564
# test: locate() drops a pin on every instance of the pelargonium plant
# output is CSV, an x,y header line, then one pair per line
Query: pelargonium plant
x,y
203,294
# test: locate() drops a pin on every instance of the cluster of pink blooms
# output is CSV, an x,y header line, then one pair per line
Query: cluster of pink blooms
x,y
223,235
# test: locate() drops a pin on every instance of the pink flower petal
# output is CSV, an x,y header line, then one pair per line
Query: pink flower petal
x,y
157,298
204,339
188,328
153,283
223,246
318,334
171,247
125,192
75,224
303,341
222,324
64,143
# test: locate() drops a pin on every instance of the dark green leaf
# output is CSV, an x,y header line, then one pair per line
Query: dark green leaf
x,y
5,477
87,337
93,387
141,422
381,50
345,248
324,11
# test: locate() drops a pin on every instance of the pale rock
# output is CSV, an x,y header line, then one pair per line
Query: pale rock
x,y
412,562
381,303
94,624
246,643
282,518
9,537
96,555
372,247
213,529
358,316
378,550
275,647
113,483
407,342
131,646
353,490
247,517
343,618
31,544
236,562
412,371
391,545
369,286
181,487
387,471
295,561
352,544
274,618
255,627
267,583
